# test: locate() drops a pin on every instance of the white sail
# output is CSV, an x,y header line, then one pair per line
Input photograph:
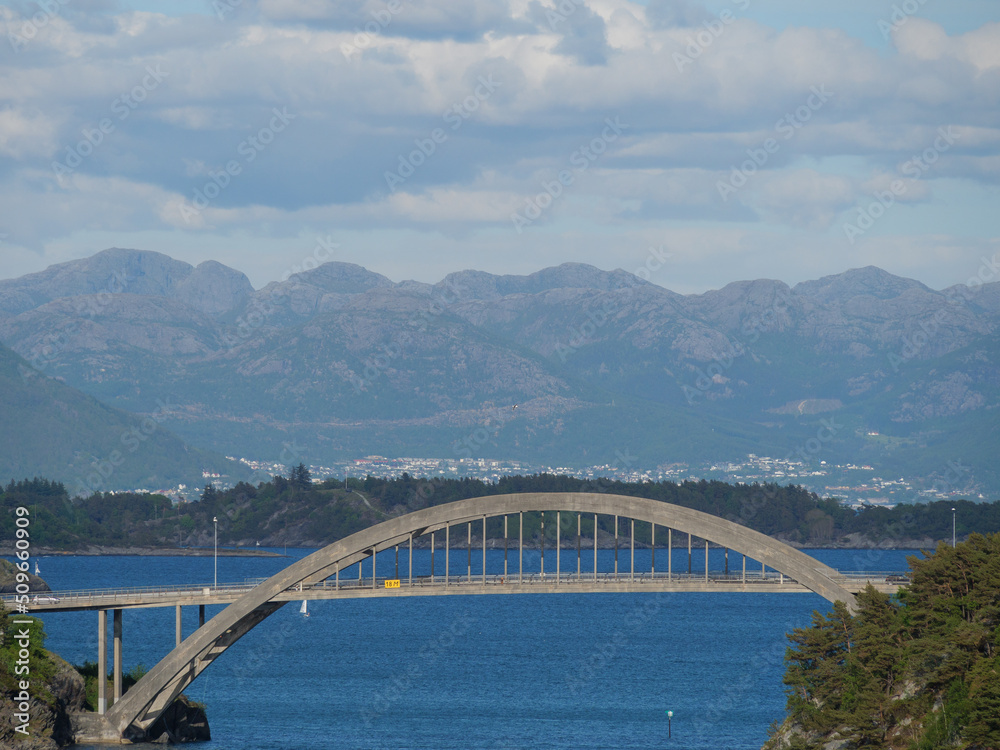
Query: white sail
x,y
37,571
303,610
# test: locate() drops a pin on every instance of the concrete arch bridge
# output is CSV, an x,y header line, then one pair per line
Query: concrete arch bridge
x,y
318,576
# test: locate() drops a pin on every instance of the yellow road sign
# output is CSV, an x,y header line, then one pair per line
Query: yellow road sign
x,y
392,584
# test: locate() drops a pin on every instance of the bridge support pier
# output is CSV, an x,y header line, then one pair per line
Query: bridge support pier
x,y
177,626
505,547
542,543
578,536
689,553
706,561
670,554
484,550
595,546
652,549
102,661
558,543
118,654
631,542
520,547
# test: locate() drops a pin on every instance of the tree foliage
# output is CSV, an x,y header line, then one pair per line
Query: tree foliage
x,y
918,671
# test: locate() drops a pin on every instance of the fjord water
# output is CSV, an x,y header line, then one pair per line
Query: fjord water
x,y
573,671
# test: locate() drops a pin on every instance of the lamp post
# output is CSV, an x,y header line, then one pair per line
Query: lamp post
x,y
670,715
953,528
215,520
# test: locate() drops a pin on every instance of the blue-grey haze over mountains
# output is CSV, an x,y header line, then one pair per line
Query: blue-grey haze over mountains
x,y
862,366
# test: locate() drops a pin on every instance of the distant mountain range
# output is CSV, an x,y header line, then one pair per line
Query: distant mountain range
x,y
570,365
49,429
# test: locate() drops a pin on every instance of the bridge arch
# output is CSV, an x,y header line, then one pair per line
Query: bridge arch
x,y
148,698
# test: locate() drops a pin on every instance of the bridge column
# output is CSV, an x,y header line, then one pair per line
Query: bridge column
x,y
595,546
374,578
579,527
744,570
670,554
397,563
470,552
558,540
616,548
542,544
410,580
631,542
505,547
117,626
520,548
652,550
102,661
689,553
447,553
484,550
201,615
177,624
706,561
336,578
432,557
727,561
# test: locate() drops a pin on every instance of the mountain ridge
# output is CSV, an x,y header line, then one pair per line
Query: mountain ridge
x,y
605,360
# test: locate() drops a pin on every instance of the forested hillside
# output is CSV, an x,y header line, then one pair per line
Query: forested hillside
x,y
919,672
295,511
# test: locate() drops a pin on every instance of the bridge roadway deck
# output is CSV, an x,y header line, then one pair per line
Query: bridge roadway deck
x,y
535,583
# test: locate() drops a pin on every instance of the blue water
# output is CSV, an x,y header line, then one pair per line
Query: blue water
x,y
576,671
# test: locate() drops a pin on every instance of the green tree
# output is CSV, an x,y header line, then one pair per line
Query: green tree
x,y
983,727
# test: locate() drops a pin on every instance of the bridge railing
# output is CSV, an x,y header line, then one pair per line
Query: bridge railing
x,y
147,593
143,592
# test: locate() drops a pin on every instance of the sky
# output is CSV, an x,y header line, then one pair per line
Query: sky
x,y
694,143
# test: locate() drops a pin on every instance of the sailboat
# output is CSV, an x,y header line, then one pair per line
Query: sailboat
x,y
304,610
37,571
